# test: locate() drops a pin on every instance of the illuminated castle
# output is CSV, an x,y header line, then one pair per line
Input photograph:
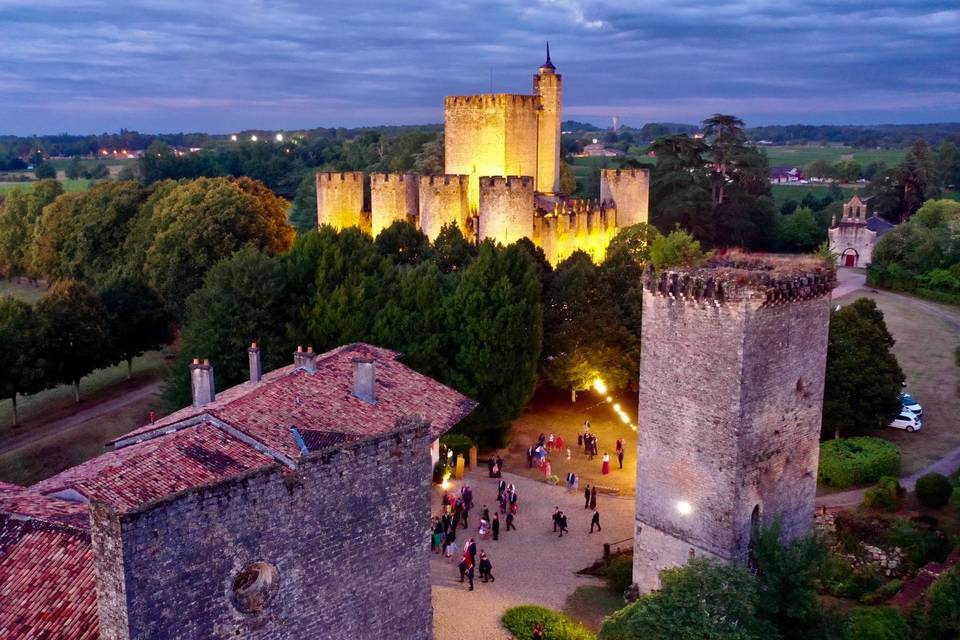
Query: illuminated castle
x,y
501,181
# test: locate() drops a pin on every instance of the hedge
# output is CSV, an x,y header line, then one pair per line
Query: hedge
x,y
520,621
620,573
878,623
849,461
884,495
933,490
943,606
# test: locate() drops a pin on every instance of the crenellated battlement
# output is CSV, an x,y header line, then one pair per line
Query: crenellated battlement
x,y
627,173
573,225
507,182
383,177
446,179
772,280
485,100
629,191
340,176
393,197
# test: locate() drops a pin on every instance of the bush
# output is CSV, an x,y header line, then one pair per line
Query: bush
x,y
919,545
849,461
520,621
459,443
878,623
884,593
832,573
620,573
884,495
933,490
942,616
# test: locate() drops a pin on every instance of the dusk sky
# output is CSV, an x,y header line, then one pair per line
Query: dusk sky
x,y
85,66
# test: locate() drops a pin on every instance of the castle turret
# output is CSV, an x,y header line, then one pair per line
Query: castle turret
x,y
443,200
506,208
393,196
731,396
547,85
340,199
628,190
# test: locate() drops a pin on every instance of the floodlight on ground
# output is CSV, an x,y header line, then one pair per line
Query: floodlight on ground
x,y
684,507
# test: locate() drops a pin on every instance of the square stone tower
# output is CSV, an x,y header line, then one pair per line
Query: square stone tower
x,y
731,392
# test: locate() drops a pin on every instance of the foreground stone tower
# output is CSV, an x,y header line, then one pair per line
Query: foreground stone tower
x,y
628,191
731,392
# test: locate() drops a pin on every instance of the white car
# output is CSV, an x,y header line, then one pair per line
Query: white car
x,y
908,402
907,420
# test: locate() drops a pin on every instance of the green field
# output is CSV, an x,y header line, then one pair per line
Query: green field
x,y
803,155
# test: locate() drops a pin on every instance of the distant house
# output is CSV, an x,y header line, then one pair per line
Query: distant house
x,y
598,149
780,175
854,236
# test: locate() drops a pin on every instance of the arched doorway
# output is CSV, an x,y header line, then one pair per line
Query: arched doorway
x,y
849,257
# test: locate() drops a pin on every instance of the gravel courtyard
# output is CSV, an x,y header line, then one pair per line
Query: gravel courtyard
x,y
532,565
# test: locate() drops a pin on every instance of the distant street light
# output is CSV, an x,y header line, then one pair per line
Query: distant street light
x,y
253,138
234,137
279,137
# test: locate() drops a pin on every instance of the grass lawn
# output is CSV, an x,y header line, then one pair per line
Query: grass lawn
x,y
589,605
68,185
21,290
100,385
802,155
550,411
927,335
60,451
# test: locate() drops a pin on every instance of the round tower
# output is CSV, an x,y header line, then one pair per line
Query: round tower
x,y
547,85
507,208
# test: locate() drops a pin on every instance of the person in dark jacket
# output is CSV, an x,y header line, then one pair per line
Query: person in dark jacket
x,y
586,497
595,521
486,568
495,526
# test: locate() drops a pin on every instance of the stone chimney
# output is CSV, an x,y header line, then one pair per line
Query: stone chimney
x,y
253,354
201,382
365,379
306,360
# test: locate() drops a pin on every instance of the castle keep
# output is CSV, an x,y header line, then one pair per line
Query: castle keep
x,y
750,335
502,181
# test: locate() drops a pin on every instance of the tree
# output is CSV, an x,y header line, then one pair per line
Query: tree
x,y
18,217
199,223
429,161
242,300
820,169
48,236
584,338
74,169
99,171
863,378
74,333
798,232
680,187
725,135
451,251
704,599
499,323
568,180
303,209
403,243
677,249
22,368
635,239
136,317
45,171
942,614
948,164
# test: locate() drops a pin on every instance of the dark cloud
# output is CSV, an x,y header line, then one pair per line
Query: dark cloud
x,y
172,65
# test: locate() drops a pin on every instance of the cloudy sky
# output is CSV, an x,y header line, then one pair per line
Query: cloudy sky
x,y
85,66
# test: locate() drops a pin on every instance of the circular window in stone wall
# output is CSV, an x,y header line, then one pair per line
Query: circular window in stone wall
x,y
254,586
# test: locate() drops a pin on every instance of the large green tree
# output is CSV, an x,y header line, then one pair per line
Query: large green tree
x,y
23,366
863,377
74,331
19,213
451,251
680,186
704,599
199,223
138,321
403,243
497,318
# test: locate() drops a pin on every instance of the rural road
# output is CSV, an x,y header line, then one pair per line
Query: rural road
x,y
77,420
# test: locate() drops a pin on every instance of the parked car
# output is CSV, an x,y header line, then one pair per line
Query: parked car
x,y
907,421
910,403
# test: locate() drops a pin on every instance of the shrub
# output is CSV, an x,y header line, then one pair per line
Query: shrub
x,y
942,616
620,573
918,545
459,443
520,621
849,461
933,490
884,495
885,592
878,623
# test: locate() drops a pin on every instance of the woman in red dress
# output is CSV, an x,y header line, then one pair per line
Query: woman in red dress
x,y
606,463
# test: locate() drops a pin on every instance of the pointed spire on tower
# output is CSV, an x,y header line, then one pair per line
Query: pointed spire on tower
x,y
548,64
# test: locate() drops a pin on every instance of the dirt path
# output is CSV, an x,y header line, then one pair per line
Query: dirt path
x,y
35,434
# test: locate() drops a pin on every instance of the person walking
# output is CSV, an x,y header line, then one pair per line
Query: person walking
x,y
510,522
495,526
486,567
499,467
620,457
471,549
586,497
593,497
556,518
595,521
529,457
470,576
605,466
563,524
490,464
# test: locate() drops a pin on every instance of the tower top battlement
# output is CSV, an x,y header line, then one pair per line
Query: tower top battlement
x,y
492,99
447,178
737,276
509,182
340,176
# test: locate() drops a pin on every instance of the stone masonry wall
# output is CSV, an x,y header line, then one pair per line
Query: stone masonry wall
x,y
549,87
393,196
559,235
490,135
629,191
443,200
346,532
340,199
506,208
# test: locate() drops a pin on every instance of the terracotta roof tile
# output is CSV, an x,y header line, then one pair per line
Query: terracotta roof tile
x,y
21,501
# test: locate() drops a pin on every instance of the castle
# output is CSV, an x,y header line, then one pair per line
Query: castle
x,y
732,368
501,181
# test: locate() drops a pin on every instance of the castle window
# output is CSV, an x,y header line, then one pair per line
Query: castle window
x,y
254,586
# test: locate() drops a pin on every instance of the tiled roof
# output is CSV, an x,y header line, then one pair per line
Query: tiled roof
x,y
879,225
131,476
47,583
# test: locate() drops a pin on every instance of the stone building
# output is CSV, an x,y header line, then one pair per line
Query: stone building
x,y
731,392
294,505
853,237
502,180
